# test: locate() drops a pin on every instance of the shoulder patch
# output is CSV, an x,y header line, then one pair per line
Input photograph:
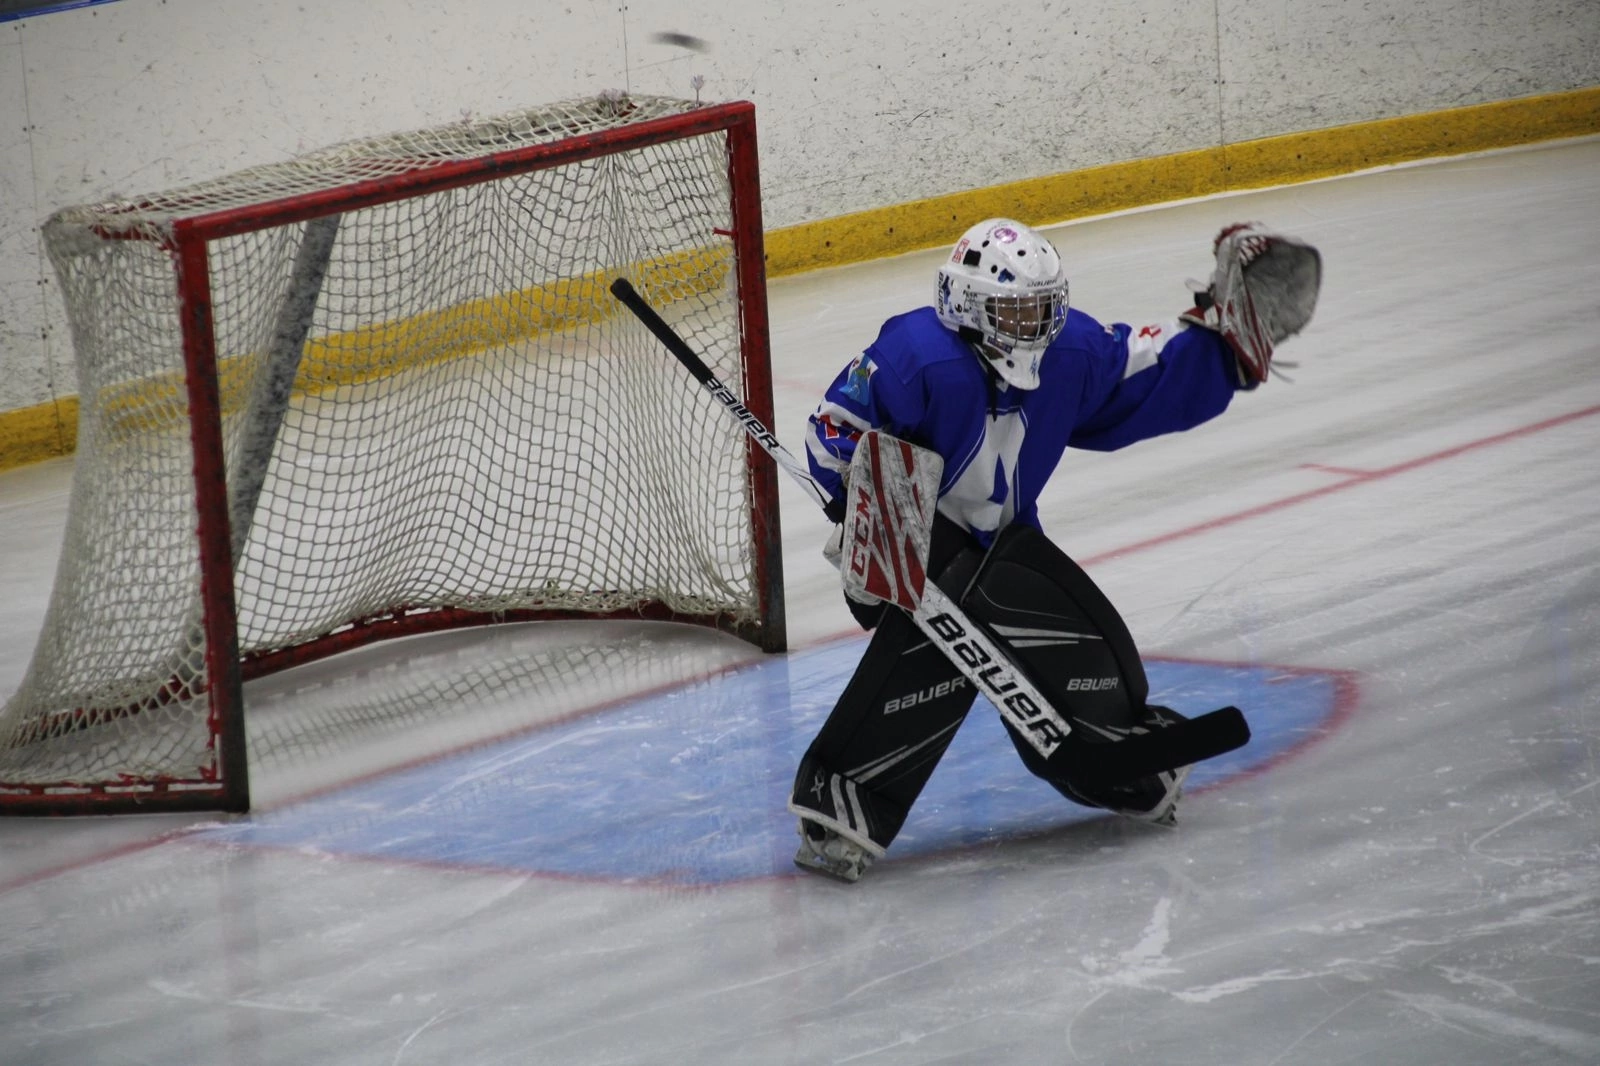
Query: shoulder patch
x,y
858,378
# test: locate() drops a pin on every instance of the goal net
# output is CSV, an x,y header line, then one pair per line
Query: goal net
x,y
382,389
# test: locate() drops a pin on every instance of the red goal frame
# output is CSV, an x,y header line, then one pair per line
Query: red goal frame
x,y
225,785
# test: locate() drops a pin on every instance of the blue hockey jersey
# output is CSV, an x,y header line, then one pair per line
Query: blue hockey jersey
x,y
1101,387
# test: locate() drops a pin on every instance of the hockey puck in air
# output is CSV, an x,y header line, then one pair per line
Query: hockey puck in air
x,y
682,40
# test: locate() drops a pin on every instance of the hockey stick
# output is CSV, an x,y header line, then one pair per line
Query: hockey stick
x,y
623,290
968,647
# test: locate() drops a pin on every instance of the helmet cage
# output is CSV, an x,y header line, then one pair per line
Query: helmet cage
x,y
1031,319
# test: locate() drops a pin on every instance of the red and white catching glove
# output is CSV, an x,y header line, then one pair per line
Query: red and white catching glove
x,y
1263,290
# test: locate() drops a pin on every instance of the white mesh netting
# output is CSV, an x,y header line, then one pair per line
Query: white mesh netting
x,y
470,423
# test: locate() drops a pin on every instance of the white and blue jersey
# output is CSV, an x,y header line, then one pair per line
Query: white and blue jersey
x,y
1100,387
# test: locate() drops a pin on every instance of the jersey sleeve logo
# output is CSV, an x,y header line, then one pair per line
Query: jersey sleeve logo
x,y
858,378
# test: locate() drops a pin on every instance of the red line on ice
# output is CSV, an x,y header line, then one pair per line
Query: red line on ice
x,y
1353,478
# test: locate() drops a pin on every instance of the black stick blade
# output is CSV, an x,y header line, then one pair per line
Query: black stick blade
x,y
1160,750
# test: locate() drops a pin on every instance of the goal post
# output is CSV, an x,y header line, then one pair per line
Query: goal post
x,y
382,390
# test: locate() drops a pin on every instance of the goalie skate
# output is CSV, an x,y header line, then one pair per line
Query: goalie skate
x,y
1165,811
1152,799
825,852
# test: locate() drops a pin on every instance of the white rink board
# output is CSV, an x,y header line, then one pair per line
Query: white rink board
x,y
860,106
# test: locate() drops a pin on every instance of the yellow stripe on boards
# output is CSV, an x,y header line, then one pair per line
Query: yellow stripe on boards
x,y
33,434
1270,161
48,430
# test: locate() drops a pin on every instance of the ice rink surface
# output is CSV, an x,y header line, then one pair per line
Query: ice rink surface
x,y
1392,564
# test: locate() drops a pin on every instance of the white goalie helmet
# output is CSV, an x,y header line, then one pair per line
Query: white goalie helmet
x,y
1004,288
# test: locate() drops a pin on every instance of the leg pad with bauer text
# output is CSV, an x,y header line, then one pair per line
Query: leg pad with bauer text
x,y
894,719
1075,646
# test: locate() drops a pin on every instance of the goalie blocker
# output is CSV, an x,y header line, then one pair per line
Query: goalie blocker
x,y
902,707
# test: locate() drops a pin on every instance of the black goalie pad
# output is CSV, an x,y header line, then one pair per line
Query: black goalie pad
x,y
905,702
895,718
1064,632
